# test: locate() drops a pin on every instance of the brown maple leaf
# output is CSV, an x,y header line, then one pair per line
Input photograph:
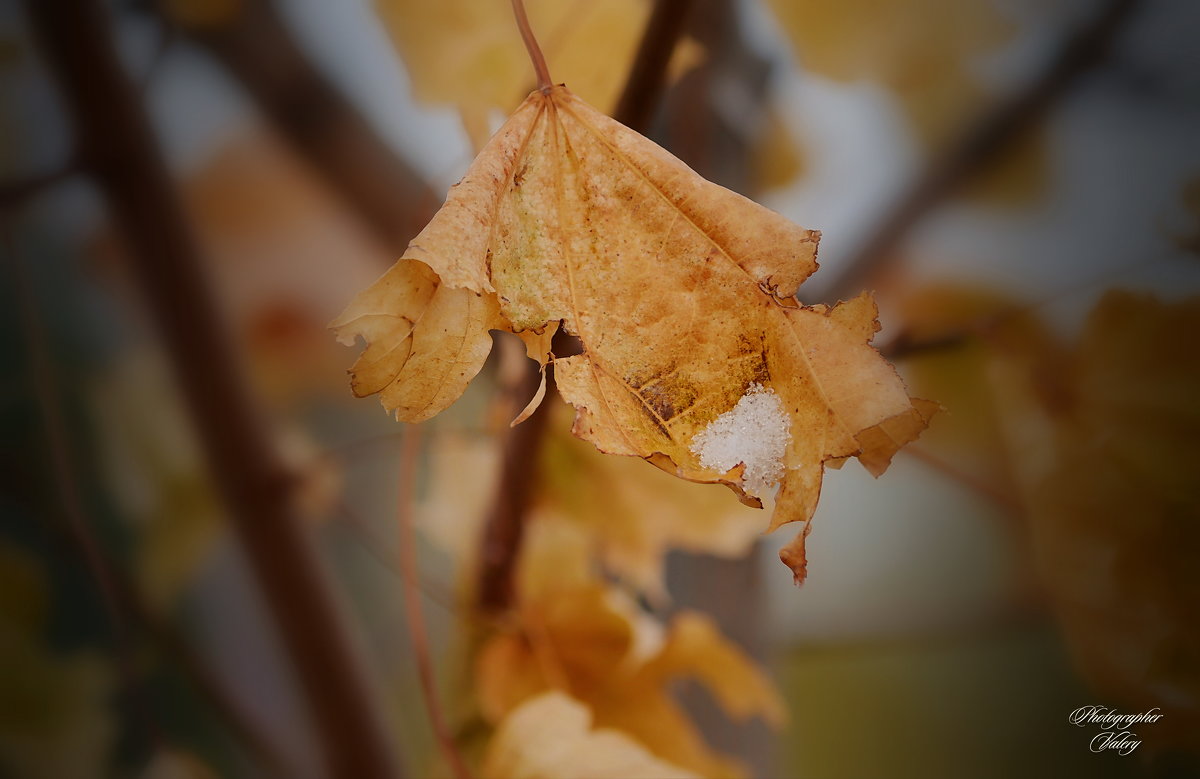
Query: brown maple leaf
x,y
696,354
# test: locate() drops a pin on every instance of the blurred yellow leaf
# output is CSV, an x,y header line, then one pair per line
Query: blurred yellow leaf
x,y
469,53
696,355
270,229
634,515
924,51
176,764
590,640
56,720
23,599
551,737
160,483
950,337
776,158
202,14
921,49
1115,514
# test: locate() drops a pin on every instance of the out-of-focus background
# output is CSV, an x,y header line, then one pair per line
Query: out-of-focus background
x,y
1017,180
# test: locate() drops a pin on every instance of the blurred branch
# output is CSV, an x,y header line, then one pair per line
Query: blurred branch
x,y
983,140
74,525
648,74
955,474
320,124
123,601
504,527
115,136
15,192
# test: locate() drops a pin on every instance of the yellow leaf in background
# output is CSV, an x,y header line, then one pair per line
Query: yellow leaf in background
x,y
633,514
159,481
23,600
56,714
175,764
695,647
468,52
696,355
270,228
1110,481
776,159
586,638
954,333
551,737
924,51
202,14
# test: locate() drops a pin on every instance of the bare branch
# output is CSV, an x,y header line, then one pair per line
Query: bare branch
x,y
320,124
115,136
982,141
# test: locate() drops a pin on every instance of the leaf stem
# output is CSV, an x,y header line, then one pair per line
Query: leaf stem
x,y
531,45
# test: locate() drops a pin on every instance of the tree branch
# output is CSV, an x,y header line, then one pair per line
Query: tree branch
x,y
321,125
983,139
115,137
648,74
16,192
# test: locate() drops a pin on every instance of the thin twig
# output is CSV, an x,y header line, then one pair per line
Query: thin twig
x,y
412,603
982,141
126,163
531,45
373,545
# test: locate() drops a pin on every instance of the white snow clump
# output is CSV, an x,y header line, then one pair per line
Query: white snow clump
x,y
755,432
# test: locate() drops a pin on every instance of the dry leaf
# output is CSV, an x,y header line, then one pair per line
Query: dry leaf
x,y
696,355
551,737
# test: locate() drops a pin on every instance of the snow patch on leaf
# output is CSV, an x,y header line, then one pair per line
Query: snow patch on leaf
x,y
756,432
